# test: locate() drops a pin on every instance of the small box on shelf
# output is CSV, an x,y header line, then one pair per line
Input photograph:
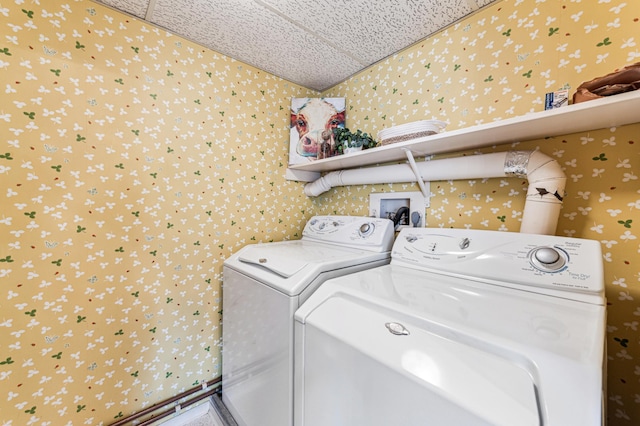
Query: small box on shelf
x,y
556,99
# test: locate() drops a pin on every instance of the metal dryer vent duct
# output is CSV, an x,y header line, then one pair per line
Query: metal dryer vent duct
x,y
544,195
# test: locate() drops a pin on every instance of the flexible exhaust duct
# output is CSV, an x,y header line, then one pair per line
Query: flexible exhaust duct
x,y
544,196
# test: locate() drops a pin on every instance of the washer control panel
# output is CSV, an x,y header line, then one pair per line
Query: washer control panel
x,y
506,258
354,231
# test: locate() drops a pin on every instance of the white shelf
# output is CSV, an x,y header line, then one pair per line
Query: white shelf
x,y
611,111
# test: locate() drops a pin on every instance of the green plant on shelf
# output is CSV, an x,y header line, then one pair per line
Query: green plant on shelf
x,y
345,139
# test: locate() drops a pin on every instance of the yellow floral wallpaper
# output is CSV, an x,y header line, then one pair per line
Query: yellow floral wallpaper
x,y
133,162
498,64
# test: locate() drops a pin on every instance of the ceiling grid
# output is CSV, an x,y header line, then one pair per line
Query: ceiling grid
x,y
314,43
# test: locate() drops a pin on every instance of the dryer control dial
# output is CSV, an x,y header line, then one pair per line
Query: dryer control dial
x,y
547,259
366,229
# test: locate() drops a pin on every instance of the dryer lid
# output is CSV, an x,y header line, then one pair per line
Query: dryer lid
x,y
562,339
488,384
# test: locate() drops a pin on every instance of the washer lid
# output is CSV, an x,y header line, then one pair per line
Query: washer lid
x,y
279,259
289,266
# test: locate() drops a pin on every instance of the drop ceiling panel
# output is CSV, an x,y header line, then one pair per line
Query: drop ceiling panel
x,y
314,43
372,30
258,36
137,8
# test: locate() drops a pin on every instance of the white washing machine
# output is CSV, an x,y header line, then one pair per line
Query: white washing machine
x,y
463,327
263,286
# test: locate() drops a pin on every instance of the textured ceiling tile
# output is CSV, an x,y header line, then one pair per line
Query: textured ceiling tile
x,y
482,3
314,43
253,34
133,7
370,30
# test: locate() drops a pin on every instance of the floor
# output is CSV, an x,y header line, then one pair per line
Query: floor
x,y
211,412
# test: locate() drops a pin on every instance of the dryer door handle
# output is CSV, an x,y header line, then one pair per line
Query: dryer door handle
x,y
397,329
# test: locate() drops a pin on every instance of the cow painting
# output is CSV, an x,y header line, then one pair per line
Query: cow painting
x,y
310,117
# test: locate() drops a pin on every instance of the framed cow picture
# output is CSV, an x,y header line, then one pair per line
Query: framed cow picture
x,y
310,117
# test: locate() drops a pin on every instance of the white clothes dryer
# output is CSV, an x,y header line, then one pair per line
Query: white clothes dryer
x,y
263,286
463,327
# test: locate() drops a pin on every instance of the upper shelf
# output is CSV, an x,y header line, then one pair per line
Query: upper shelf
x,y
602,113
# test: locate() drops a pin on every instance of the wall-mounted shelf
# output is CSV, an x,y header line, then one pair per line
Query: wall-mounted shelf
x,y
612,111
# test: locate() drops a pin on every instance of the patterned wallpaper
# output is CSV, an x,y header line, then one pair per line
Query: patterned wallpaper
x,y
498,64
134,162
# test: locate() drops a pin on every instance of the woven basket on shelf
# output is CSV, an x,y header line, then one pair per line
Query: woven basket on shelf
x,y
407,137
408,131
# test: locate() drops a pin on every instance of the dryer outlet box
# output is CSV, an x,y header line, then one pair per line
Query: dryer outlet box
x,y
387,205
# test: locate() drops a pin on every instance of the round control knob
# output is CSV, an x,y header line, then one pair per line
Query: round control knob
x,y
366,229
546,255
547,259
